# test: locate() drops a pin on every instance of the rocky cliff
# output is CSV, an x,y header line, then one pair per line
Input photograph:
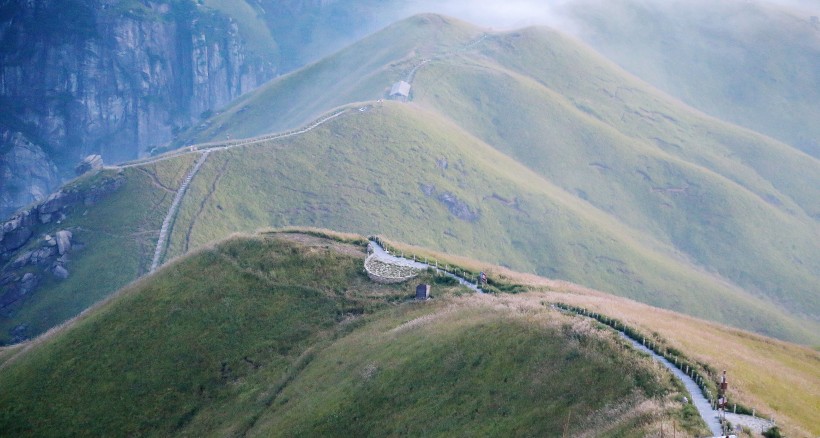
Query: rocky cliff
x,y
108,77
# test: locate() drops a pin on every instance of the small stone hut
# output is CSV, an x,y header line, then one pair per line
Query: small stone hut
x,y
400,91
423,292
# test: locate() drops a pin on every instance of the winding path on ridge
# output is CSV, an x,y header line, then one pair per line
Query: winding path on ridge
x,y
709,415
204,150
703,406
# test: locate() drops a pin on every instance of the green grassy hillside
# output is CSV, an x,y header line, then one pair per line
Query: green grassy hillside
x,y
113,244
713,191
383,170
737,204
523,149
752,63
284,335
362,72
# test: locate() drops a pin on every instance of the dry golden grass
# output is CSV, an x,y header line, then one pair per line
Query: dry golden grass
x,y
335,235
777,378
7,352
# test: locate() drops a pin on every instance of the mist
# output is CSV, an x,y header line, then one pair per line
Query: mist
x,y
511,14
561,14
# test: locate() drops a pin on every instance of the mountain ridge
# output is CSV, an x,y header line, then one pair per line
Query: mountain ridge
x,y
435,184
330,262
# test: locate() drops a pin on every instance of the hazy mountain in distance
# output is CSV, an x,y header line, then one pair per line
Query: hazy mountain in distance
x,y
755,64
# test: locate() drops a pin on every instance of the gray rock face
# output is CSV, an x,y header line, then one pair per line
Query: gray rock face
x,y
56,202
43,254
88,77
63,239
16,238
16,288
27,174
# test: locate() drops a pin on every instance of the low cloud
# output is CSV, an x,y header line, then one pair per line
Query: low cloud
x,y
509,14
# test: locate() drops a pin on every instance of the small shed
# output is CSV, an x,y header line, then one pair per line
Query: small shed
x,y
423,292
400,90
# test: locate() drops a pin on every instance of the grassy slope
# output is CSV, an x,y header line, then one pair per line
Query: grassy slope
x,y
588,216
711,190
735,187
221,340
782,380
697,51
388,153
119,234
361,72
475,366
779,378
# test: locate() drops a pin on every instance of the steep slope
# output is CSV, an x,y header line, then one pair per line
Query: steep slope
x,y
780,379
397,169
362,72
650,162
605,197
110,77
754,63
275,334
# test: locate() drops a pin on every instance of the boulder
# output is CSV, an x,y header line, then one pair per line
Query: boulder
x,y
22,260
43,254
63,238
89,163
56,202
60,272
16,238
49,240
23,219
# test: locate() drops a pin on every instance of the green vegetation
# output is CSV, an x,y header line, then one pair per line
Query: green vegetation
x,y
478,371
117,235
283,334
508,155
362,72
367,171
756,64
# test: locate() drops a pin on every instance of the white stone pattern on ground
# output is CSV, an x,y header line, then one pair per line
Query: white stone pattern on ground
x,y
166,223
386,257
386,271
